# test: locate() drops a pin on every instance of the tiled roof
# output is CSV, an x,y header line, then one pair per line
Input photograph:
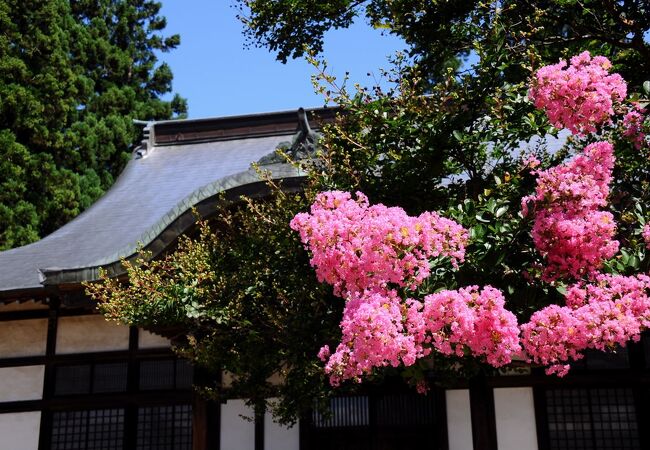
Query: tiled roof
x,y
151,202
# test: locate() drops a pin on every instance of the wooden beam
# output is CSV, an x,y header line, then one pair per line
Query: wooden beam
x,y
484,428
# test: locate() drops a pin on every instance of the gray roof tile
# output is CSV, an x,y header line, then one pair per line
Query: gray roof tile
x,y
149,195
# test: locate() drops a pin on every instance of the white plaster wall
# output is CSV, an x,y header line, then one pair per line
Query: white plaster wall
x,y
21,383
515,416
81,334
237,433
19,431
278,437
23,338
147,339
459,420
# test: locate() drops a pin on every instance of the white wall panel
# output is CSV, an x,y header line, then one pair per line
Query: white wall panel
x,y
147,339
23,338
21,383
459,420
278,437
237,433
82,334
515,416
19,431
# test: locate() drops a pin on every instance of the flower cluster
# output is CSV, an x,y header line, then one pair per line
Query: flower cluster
x,y
367,253
377,331
357,247
579,96
472,321
633,126
603,315
646,235
375,256
569,230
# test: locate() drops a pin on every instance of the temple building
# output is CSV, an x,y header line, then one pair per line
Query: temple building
x,y
69,379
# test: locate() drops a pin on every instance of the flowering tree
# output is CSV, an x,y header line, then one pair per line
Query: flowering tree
x,y
376,257
533,253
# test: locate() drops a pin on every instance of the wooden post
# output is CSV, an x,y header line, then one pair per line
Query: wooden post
x,y
48,378
481,399
206,417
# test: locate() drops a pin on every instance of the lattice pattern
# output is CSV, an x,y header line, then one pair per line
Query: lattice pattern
x,y
111,377
375,422
345,412
599,419
157,375
87,378
165,374
184,374
405,410
165,428
72,380
101,429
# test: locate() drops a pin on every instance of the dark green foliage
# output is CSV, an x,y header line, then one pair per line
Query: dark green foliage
x,y
74,76
286,26
438,33
243,299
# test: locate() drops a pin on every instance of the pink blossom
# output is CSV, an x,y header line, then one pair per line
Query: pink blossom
x,y
579,96
530,162
602,315
379,329
646,234
472,321
357,247
324,353
633,126
569,230
374,334
421,387
375,256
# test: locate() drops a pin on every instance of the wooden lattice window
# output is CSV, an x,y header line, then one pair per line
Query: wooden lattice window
x,y
165,428
96,429
376,421
591,418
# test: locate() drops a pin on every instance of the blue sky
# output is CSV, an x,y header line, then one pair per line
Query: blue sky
x,y
219,77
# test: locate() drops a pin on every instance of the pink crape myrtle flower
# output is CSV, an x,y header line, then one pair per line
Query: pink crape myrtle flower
x,y
380,330
602,315
530,162
375,333
579,96
472,321
357,247
369,252
633,126
570,231
646,235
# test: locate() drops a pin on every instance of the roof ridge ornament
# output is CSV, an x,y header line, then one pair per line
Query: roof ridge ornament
x,y
303,145
148,139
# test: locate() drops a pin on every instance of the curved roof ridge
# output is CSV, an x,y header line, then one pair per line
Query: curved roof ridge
x,y
213,189
149,202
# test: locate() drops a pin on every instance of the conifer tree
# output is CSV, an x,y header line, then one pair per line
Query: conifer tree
x,y
75,75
